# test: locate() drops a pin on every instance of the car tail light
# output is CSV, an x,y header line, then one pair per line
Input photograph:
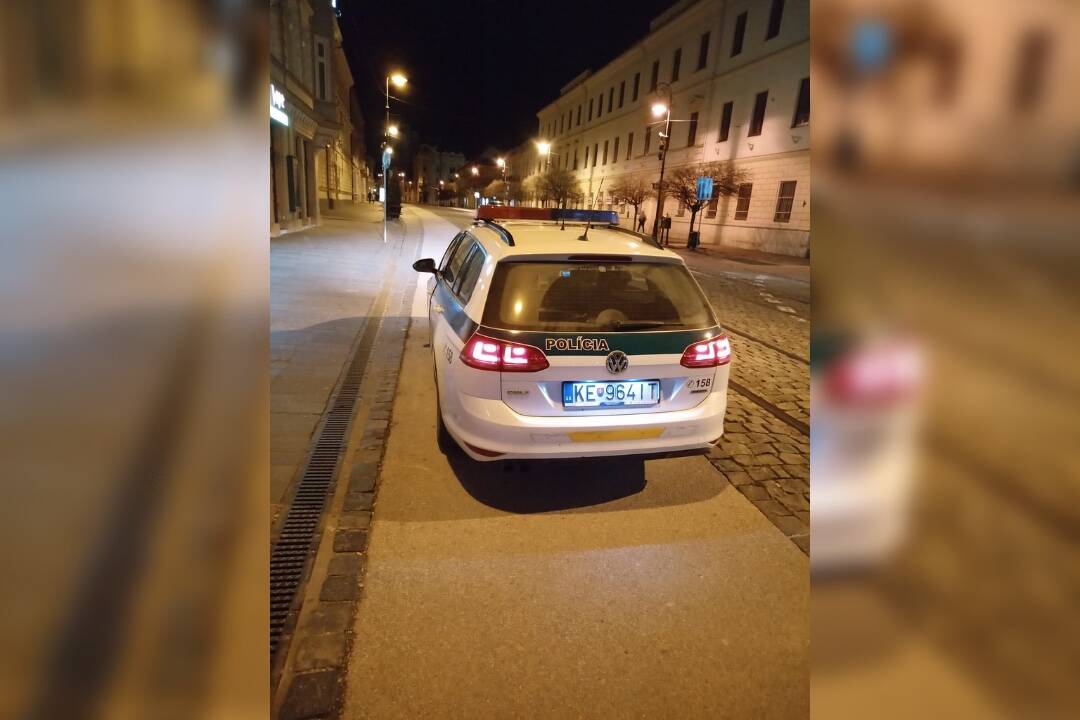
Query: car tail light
x,y
708,353
878,375
484,353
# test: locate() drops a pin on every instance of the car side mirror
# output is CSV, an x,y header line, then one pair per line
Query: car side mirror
x,y
424,265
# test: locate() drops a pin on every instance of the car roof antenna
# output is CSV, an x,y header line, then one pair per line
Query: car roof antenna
x,y
588,226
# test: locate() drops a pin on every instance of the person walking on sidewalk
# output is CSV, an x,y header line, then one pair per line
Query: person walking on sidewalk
x,y
641,223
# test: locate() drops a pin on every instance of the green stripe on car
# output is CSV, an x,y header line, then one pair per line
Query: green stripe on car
x,y
670,342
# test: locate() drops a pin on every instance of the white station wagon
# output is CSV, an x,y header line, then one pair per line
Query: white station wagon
x,y
557,335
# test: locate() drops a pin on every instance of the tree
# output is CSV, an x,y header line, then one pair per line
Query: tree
x,y
559,185
503,190
682,184
467,184
631,190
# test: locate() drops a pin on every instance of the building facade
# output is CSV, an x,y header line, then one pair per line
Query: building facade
x,y
435,170
314,161
735,74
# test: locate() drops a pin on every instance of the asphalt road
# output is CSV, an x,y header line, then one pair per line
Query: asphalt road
x,y
604,588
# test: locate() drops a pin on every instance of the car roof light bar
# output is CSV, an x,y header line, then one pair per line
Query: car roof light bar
x,y
501,212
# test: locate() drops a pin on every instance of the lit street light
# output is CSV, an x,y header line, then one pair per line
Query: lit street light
x,y
506,188
661,109
399,81
475,171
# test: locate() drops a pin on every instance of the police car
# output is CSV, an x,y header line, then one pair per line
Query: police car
x,y
556,334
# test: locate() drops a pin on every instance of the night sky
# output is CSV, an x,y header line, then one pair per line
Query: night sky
x,y
478,71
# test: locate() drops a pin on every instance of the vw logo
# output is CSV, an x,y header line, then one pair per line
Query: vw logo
x,y
617,362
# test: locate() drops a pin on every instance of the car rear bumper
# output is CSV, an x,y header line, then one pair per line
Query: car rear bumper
x,y
491,425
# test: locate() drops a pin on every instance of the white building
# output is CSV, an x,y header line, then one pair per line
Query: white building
x,y
738,73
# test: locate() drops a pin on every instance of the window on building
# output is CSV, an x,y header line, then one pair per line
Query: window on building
x,y
586,157
611,98
740,33
676,63
579,116
703,51
622,92
725,120
595,153
637,84
758,119
776,15
655,76
784,200
802,105
648,139
710,211
691,133
682,209
742,206
575,158
600,105
322,75
605,152
615,151
590,110
629,145
561,118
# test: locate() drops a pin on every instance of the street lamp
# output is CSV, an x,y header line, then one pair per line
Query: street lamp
x,y
545,149
662,109
399,81
501,162
475,171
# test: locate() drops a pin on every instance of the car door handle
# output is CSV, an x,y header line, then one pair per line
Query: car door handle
x,y
437,307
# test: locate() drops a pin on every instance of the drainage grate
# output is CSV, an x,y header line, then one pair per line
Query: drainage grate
x,y
297,539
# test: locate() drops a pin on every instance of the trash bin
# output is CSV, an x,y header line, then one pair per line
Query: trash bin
x,y
693,240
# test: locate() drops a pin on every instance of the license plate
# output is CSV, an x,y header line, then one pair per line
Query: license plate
x,y
622,393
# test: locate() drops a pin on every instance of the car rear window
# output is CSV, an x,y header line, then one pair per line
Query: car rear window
x,y
595,297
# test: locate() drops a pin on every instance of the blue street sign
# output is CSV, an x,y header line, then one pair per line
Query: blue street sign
x,y
386,158
704,187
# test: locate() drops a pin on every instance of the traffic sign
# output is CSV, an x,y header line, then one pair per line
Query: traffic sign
x,y
704,187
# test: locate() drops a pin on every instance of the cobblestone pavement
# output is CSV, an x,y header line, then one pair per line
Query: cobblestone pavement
x,y
765,451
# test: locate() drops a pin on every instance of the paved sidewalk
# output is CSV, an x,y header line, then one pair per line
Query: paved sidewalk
x,y
322,284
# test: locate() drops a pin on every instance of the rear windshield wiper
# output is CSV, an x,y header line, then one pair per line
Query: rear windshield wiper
x,y
638,325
